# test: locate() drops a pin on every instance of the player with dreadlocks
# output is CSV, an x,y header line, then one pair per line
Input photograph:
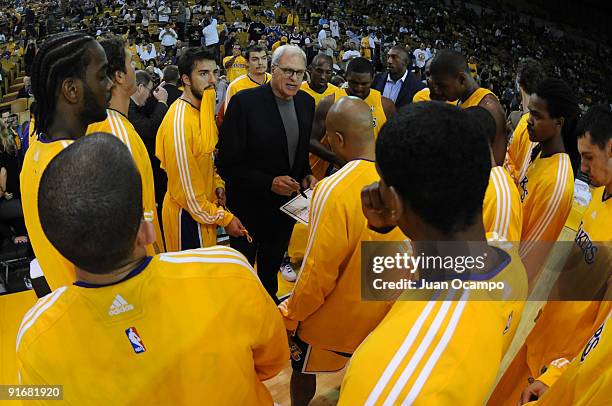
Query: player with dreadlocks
x,y
72,90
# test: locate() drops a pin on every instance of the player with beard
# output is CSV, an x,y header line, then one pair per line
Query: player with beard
x,y
72,90
121,70
194,204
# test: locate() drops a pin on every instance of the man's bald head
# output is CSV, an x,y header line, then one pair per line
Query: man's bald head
x,y
349,127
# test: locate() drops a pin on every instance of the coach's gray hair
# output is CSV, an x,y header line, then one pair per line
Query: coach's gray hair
x,y
287,49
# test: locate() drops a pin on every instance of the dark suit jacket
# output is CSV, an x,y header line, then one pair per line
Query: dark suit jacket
x,y
252,148
410,86
173,93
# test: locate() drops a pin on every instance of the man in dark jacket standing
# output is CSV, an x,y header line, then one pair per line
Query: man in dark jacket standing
x,y
263,158
397,83
148,106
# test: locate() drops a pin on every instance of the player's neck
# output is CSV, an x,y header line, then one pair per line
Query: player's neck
x,y
258,78
366,153
471,88
120,102
190,98
552,146
111,277
66,125
316,88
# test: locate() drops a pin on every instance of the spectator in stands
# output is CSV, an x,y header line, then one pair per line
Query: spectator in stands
x,y
152,64
420,56
397,83
146,120
181,20
296,38
26,90
350,53
148,53
11,213
210,35
168,36
164,12
256,30
171,79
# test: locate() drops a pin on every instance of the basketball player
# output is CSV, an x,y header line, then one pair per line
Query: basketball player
x,y
359,75
502,213
72,90
450,76
328,290
588,378
123,74
194,203
530,73
441,350
563,327
319,87
547,188
235,64
147,328
429,92
257,58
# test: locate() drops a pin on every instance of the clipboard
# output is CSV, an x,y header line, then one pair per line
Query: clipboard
x,y
298,207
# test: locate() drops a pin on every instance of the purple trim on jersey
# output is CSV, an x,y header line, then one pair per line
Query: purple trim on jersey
x,y
132,273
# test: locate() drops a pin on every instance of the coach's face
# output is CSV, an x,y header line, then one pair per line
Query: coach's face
x,y
287,75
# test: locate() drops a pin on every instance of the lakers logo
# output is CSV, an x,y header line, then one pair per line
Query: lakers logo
x,y
373,117
296,353
592,343
583,241
523,185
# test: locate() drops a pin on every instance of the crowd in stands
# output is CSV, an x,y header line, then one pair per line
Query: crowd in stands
x,y
495,39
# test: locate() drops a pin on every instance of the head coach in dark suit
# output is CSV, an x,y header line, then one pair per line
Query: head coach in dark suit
x,y
263,158
397,82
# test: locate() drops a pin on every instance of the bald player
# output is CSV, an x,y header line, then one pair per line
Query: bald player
x,y
359,76
451,78
325,314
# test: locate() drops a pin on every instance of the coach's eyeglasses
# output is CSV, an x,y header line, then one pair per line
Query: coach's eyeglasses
x,y
290,72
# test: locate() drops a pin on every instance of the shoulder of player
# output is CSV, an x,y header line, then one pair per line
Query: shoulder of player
x,y
336,185
218,262
44,315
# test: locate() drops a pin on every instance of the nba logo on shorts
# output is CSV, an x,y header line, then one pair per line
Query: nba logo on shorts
x,y
135,340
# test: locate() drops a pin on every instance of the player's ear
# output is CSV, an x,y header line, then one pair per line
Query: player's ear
x,y
340,138
559,122
146,234
397,205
